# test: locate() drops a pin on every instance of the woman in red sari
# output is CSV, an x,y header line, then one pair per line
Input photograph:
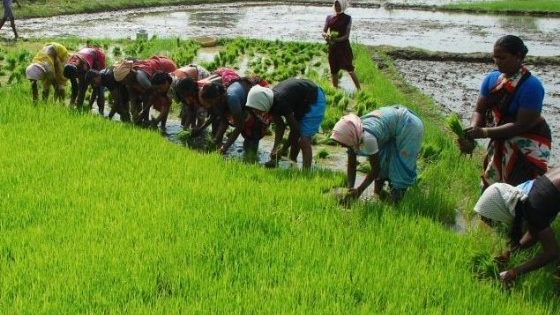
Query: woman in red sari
x,y
508,111
337,33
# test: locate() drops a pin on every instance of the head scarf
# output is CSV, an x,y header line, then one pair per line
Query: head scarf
x,y
348,131
260,98
498,202
343,5
35,72
122,69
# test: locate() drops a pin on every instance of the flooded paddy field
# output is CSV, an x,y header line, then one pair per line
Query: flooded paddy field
x,y
435,31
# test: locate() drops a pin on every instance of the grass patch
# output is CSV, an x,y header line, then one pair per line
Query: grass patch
x,y
101,217
543,6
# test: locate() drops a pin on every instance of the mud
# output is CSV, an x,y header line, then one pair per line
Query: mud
x,y
454,86
435,31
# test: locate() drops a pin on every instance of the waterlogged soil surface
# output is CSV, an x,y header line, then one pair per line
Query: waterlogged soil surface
x,y
435,31
455,85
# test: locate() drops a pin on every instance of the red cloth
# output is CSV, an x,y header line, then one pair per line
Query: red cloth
x,y
154,64
93,56
340,53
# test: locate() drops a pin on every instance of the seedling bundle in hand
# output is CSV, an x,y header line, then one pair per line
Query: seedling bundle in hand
x,y
466,144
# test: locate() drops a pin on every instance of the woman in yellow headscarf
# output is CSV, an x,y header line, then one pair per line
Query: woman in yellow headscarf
x,y
47,66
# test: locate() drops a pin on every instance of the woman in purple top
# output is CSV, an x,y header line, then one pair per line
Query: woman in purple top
x,y
337,33
9,15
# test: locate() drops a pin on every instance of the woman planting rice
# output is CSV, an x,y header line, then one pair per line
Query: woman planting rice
x,y
85,59
391,138
508,111
47,67
302,103
535,203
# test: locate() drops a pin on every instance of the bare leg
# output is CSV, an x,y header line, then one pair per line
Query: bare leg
x,y
355,79
306,151
334,78
13,23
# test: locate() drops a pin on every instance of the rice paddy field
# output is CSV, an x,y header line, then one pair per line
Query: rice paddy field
x,y
522,6
101,217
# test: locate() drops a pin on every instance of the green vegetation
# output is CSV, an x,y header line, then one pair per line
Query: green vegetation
x,y
542,6
102,217
42,8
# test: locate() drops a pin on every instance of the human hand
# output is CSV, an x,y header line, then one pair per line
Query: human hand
x,y
222,150
476,132
466,145
508,276
503,258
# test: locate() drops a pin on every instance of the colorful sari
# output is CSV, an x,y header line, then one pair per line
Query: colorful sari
x,y
522,157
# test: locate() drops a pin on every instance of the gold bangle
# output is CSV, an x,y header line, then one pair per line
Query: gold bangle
x,y
485,132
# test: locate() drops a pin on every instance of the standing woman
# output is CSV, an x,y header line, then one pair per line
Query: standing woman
x,y
391,138
337,34
508,111
9,15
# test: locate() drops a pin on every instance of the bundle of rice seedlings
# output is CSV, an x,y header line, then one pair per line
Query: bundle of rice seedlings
x,y
454,123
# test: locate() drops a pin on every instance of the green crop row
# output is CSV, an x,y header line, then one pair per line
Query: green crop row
x,y
102,217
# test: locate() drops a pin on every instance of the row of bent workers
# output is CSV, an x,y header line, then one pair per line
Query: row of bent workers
x,y
518,189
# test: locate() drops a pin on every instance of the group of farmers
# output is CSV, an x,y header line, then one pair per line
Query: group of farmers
x,y
517,187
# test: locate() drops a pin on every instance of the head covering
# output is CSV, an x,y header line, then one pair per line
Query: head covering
x,y
260,98
35,72
122,69
348,131
343,5
498,202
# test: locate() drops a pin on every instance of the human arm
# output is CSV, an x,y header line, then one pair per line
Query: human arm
x,y
525,120
279,129
17,2
34,91
370,177
351,169
239,122
550,252
82,88
345,36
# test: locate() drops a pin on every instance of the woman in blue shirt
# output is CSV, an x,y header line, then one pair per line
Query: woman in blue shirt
x,y
508,111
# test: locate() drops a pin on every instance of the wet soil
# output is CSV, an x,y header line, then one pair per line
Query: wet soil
x,y
435,31
454,86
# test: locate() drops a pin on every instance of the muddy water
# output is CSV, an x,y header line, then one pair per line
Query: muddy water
x,y
436,31
454,86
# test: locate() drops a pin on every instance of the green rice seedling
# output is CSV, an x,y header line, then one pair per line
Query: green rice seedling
x,y
484,267
454,123
364,167
117,51
11,63
430,153
322,154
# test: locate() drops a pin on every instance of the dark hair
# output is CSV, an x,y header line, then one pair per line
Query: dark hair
x,y
186,86
513,45
108,79
161,77
70,71
212,90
